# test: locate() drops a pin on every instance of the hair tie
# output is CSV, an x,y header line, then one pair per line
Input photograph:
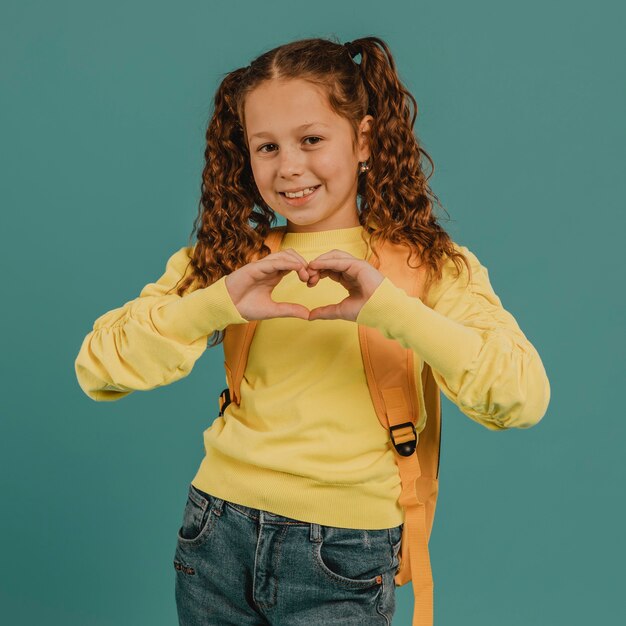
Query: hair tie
x,y
352,48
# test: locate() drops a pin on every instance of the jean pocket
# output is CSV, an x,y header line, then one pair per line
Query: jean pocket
x,y
395,541
395,538
353,558
197,517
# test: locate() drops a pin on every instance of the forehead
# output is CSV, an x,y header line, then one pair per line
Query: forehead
x,y
278,105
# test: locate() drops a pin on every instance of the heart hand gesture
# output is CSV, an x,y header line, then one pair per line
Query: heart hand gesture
x,y
251,285
358,276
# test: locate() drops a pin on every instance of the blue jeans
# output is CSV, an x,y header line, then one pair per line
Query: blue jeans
x,y
239,566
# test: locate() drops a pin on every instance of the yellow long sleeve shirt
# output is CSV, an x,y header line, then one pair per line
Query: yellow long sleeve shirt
x,y
305,440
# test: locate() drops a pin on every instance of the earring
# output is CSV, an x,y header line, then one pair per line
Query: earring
x,y
364,166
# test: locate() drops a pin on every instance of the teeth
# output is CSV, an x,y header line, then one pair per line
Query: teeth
x,y
300,194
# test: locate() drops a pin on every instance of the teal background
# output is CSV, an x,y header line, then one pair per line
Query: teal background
x,y
103,112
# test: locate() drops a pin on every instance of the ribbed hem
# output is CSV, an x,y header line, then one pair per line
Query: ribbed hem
x,y
367,506
447,346
198,314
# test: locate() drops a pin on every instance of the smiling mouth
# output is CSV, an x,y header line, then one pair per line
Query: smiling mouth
x,y
314,187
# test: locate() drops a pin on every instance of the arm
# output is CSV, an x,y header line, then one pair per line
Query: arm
x,y
155,339
479,356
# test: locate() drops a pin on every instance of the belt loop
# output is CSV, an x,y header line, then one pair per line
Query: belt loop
x,y
315,533
218,505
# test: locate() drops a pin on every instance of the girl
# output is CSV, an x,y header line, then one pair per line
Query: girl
x,y
293,515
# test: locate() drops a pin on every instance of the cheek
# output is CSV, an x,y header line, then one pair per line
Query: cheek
x,y
334,169
261,178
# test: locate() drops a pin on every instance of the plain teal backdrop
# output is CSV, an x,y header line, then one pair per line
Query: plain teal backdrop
x,y
103,112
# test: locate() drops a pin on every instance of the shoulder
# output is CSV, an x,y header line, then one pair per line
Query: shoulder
x,y
457,277
454,269
179,259
177,266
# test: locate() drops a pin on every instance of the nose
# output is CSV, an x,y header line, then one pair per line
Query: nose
x,y
291,162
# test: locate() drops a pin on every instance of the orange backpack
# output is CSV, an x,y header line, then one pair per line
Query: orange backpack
x,y
390,376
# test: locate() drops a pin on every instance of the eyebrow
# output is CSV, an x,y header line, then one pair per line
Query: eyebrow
x,y
302,127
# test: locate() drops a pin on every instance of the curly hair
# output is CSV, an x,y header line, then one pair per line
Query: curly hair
x,y
396,202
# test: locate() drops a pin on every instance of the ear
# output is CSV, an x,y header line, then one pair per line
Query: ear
x,y
363,142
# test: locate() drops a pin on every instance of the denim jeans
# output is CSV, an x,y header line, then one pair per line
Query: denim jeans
x,y
240,566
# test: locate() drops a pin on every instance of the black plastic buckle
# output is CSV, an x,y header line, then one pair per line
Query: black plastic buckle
x,y
406,448
224,400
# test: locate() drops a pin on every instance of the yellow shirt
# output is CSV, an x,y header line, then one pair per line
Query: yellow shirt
x,y
305,441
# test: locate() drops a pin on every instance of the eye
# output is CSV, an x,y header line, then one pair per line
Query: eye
x,y
261,148
313,137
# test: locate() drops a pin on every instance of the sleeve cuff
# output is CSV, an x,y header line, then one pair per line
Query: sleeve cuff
x,y
198,314
447,346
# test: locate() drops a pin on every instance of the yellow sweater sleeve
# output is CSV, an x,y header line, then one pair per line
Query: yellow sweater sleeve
x,y
480,358
156,338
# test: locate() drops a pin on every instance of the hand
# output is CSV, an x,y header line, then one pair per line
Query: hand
x,y
251,285
358,276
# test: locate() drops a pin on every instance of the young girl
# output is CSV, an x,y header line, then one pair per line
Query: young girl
x,y
293,515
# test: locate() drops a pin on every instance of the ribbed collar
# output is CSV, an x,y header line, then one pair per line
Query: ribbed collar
x,y
323,239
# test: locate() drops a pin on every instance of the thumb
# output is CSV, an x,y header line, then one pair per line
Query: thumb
x,y
328,312
287,309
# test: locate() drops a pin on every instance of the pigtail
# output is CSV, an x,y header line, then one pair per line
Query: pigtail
x,y
228,195
395,193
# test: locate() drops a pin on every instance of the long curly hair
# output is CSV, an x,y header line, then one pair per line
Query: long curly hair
x,y
396,202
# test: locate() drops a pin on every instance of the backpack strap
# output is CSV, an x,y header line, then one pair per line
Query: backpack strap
x,y
389,368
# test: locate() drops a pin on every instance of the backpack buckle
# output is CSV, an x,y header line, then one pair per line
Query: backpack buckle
x,y
404,448
224,400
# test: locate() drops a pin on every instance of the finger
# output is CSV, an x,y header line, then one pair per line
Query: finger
x,y
301,268
328,312
341,264
284,264
339,270
306,273
296,255
336,276
288,309
314,278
